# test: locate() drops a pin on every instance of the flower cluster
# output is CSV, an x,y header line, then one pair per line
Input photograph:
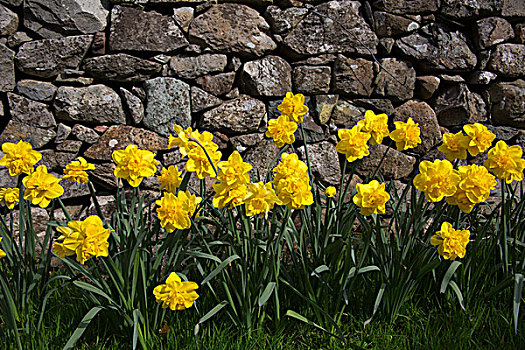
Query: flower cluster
x,y
134,164
406,135
261,199
175,293
175,211
170,179
353,143
371,198
41,187
282,129
474,187
19,157
477,140
232,186
451,243
375,125
506,162
197,147
293,107
292,183
437,179
9,196
76,171
85,239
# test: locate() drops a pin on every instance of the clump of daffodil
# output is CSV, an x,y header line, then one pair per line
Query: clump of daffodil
x,y
197,147
232,186
281,130
437,179
76,171
353,143
41,187
175,211
19,158
2,253
170,179
406,135
175,293
474,187
505,162
451,243
455,146
293,107
134,164
371,198
330,191
261,199
86,239
292,182
9,196
376,126
480,138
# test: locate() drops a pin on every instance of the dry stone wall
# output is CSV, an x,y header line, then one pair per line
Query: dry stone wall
x,y
86,77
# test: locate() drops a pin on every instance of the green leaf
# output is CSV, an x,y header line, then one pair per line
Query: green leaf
x,y
213,311
456,290
518,288
377,302
219,268
82,327
93,289
448,275
320,269
266,293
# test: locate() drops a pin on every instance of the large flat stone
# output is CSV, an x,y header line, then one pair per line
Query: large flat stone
x,y
241,115
407,6
395,165
399,89
120,67
16,131
36,90
506,60
508,103
30,112
268,76
7,67
353,76
8,21
193,67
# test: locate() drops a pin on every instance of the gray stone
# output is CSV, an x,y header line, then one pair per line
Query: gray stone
x,y
5,179
218,84
520,32
312,130
84,133
387,24
398,89
346,114
513,8
407,6
491,31
505,133
50,57
120,67
481,77
133,105
138,30
444,50
183,16
426,86
324,162
7,67
262,157
18,39
201,100
324,106
36,90
241,115
386,45
119,136
97,104
353,77
57,18
378,105
63,132
268,76
461,9
312,79
103,175
504,60
508,103
56,161
282,21
168,103
74,189
425,116
30,112
315,35
242,142
395,165
457,106
193,67
8,21
16,131
232,28
12,3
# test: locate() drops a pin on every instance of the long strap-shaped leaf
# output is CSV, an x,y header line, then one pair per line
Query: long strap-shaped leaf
x,y
82,327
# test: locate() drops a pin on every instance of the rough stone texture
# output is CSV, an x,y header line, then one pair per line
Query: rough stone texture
x,y
16,131
57,18
315,35
30,112
346,114
508,103
95,104
407,6
5,179
378,105
313,131
261,157
423,114
168,103
268,76
241,115
513,8
242,142
50,57
322,159
396,165
7,67
505,133
201,100
8,21
282,21
312,79
36,90
426,86
457,105
460,9
104,176
353,77
12,3
193,67
324,106
520,32
18,39
232,28
481,77
218,84
119,136
134,29
120,67
491,31
444,50
73,189
387,24
70,146
387,86
84,134
183,16
503,60
56,161
133,105
63,132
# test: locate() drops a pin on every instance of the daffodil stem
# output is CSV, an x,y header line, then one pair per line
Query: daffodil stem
x,y
504,229
307,157
206,153
95,200
381,161
66,213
